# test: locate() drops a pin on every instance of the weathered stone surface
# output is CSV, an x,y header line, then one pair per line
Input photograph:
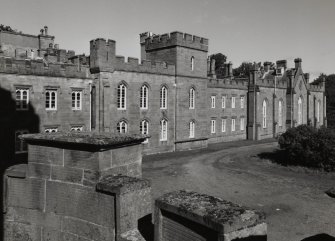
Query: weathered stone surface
x,y
39,170
80,202
102,140
331,192
21,232
132,235
121,184
212,212
27,193
45,154
87,229
67,174
18,171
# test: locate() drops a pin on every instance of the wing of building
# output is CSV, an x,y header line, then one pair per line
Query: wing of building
x,y
172,94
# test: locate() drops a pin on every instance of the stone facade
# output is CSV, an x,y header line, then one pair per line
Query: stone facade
x,y
176,63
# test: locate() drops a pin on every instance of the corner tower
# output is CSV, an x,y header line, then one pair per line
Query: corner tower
x,y
102,55
187,52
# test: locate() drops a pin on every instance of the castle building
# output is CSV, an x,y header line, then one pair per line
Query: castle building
x,y
172,95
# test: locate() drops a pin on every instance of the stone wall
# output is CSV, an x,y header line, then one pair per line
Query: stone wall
x,y
71,188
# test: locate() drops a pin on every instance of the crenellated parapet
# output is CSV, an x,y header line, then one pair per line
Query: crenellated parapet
x,y
228,83
316,87
42,68
145,66
280,83
154,42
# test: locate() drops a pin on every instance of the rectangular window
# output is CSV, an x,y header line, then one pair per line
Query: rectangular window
x,y
51,130
242,124
232,124
223,102
242,102
163,130
77,128
213,126
212,101
51,99
20,145
223,126
233,102
76,99
22,98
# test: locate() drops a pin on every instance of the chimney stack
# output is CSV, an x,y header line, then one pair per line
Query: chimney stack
x,y
297,63
230,69
267,66
306,75
282,64
46,30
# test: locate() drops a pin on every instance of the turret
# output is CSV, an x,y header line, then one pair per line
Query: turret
x,y
102,55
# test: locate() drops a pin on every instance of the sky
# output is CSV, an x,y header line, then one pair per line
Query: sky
x,y
243,30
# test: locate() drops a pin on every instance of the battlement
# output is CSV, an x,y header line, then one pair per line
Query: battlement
x,y
153,42
281,83
228,83
41,68
316,87
146,66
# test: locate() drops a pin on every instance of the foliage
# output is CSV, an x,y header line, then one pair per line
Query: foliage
x,y
243,70
220,59
6,28
310,147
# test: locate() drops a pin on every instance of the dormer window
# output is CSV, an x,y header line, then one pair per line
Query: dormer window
x,y
192,63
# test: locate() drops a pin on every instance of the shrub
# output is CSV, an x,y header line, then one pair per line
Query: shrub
x,y
310,147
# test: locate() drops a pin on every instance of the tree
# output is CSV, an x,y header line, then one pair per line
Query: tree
x,y
220,59
243,70
6,28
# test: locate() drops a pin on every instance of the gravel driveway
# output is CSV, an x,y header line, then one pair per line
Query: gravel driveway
x,y
292,197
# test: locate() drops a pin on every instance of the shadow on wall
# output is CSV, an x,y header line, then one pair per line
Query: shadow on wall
x,y
320,237
12,123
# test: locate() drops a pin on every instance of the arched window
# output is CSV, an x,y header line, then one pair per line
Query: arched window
x,y
144,97
264,114
144,129
192,63
280,113
318,111
299,111
192,127
121,97
163,98
163,134
122,127
191,98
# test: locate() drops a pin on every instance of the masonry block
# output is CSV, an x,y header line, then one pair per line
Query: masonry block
x,y
39,170
45,154
67,174
81,159
27,193
80,202
184,215
133,200
21,232
87,230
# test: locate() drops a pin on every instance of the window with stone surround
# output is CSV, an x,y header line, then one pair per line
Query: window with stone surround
x,y
191,98
300,111
223,125
242,102
77,128
233,99
213,128
122,127
318,110
163,98
264,108
242,123
22,98
233,124
192,63
144,93
144,129
213,101
121,97
223,102
51,130
192,129
51,99
76,96
280,113
20,145
164,130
